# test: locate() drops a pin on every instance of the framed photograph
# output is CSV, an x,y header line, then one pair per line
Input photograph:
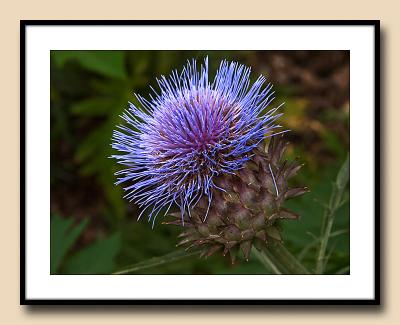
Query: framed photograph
x,y
200,162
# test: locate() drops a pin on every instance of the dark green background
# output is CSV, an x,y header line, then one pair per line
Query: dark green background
x,y
94,231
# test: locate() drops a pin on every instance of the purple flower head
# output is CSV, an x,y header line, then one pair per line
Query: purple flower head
x,y
175,143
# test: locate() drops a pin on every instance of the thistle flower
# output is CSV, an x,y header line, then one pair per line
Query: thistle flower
x,y
175,144
200,144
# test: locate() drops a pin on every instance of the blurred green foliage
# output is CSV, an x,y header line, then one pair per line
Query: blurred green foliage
x,y
95,231
97,258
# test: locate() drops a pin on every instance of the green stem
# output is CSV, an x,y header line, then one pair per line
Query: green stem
x,y
157,261
329,215
266,261
278,259
317,241
275,258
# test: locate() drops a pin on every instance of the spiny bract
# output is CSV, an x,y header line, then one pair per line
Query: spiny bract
x,y
245,213
176,144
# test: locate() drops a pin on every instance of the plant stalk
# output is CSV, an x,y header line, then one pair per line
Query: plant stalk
x,y
329,216
279,260
157,261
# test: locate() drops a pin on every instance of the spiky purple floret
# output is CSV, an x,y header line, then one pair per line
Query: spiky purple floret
x,y
176,142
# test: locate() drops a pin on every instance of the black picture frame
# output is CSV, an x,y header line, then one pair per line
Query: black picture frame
x,y
377,263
